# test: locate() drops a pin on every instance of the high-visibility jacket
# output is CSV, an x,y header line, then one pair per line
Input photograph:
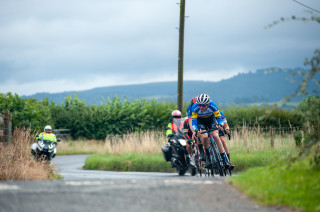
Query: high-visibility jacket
x,y
47,137
173,128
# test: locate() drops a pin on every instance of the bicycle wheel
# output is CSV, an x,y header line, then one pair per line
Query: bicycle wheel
x,y
219,165
229,168
198,162
211,168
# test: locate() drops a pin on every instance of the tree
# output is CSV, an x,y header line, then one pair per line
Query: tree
x,y
309,107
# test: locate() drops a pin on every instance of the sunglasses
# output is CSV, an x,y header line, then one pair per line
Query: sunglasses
x,y
200,105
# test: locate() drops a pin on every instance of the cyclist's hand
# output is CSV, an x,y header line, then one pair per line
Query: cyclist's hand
x,y
229,136
219,127
227,130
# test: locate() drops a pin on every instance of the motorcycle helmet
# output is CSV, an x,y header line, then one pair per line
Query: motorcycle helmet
x,y
48,129
203,99
176,114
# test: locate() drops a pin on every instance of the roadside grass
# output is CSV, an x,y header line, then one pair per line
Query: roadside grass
x,y
16,162
296,186
247,149
128,162
148,142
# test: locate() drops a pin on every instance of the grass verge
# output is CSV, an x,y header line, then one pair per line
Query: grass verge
x,y
128,162
296,186
156,162
16,162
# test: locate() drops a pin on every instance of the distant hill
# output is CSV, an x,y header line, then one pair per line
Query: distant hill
x,y
241,89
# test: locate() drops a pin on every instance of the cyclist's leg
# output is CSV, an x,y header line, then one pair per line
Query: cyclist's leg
x,y
216,138
189,148
206,139
201,127
224,144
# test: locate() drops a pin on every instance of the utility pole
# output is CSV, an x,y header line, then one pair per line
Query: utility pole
x,y
180,58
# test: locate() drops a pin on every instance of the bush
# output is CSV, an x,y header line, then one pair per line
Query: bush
x,y
298,138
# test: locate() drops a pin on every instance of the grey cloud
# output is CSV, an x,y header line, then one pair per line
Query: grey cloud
x,y
77,39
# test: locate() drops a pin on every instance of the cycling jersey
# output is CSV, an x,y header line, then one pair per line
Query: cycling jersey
x,y
223,117
212,110
186,129
189,113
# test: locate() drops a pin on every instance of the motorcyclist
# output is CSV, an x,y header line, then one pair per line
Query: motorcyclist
x,y
175,128
46,135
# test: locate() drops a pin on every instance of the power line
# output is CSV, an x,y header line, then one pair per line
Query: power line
x,y
306,6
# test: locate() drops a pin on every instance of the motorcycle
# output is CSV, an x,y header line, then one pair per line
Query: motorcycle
x,y
44,149
176,153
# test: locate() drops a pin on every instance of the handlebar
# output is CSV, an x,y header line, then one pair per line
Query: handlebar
x,y
207,131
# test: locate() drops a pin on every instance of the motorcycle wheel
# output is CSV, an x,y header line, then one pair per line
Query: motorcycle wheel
x,y
193,170
181,172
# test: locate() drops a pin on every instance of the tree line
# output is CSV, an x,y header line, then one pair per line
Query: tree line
x,y
118,117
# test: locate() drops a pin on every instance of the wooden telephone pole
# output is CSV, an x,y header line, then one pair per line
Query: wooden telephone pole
x,y
180,58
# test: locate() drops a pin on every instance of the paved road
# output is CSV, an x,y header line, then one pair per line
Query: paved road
x,y
123,191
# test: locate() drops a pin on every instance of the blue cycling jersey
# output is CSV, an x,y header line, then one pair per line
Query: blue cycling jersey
x,y
189,113
212,109
223,117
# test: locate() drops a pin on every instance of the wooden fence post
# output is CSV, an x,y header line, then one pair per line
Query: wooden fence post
x,y
7,127
271,136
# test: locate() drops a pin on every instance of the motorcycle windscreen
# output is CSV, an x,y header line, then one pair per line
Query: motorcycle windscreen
x,y
179,127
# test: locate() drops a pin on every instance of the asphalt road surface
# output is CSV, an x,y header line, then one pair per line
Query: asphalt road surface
x,y
84,191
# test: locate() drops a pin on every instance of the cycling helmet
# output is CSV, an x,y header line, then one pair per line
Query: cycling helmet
x,y
176,114
203,99
48,129
193,100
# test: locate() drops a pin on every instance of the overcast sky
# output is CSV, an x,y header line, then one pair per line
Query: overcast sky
x,y
56,46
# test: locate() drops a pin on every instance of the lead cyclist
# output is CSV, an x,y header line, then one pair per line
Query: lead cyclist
x,y
206,115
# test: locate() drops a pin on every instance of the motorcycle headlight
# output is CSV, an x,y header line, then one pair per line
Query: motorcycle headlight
x,y
51,146
41,144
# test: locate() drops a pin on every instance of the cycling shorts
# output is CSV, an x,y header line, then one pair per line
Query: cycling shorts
x,y
207,123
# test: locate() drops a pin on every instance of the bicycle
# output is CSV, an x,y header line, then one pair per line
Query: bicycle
x,y
217,165
198,162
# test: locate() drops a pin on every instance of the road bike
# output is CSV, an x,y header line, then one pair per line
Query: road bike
x,y
217,165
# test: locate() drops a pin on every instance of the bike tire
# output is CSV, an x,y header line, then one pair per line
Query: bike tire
x,y
212,162
218,161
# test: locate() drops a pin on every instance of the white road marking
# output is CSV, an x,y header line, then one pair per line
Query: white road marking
x,y
8,187
176,181
80,183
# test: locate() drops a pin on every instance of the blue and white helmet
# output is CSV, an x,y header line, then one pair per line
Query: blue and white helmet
x,y
203,99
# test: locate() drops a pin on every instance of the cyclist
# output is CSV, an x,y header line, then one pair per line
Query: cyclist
x,y
193,100
189,114
176,126
222,132
187,132
206,115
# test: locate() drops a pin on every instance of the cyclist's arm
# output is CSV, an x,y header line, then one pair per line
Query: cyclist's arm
x,y
186,130
216,112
